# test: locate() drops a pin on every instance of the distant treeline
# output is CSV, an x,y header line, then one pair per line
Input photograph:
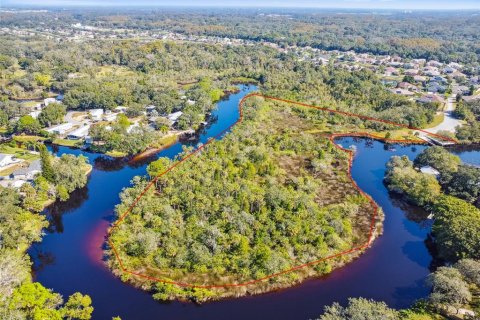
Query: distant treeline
x,y
430,35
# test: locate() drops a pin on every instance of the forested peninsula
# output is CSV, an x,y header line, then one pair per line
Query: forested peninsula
x,y
273,194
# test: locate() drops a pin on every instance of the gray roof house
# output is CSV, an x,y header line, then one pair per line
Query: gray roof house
x,y
29,172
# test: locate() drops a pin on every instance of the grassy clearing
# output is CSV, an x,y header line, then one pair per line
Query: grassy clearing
x,y
18,152
165,141
107,71
438,119
68,143
10,170
116,154
24,138
29,104
243,80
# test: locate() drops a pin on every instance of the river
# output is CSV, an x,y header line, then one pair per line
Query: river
x,y
69,258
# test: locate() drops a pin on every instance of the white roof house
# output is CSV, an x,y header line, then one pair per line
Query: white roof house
x,y
6,159
430,170
121,109
47,101
96,114
79,133
110,117
60,129
150,108
35,114
174,116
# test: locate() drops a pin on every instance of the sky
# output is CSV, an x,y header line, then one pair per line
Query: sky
x,y
365,4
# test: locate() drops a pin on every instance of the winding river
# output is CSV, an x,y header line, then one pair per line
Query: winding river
x,y
69,258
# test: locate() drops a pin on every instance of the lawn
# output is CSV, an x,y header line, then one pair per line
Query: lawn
x,y
32,103
438,119
25,138
18,152
68,142
115,154
9,170
165,141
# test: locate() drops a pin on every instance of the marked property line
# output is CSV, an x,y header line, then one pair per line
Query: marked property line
x,y
331,138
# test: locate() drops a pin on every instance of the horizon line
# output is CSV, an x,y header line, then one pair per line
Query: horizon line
x,y
224,6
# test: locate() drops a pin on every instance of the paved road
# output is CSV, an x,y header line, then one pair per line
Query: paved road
x,y
449,122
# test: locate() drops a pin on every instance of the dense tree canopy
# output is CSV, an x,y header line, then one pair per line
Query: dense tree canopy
x,y
419,188
252,204
360,309
456,228
52,114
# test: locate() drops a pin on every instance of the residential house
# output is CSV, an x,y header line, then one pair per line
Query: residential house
x,y
431,72
449,70
463,90
420,78
150,109
121,109
60,129
7,159
27,173
110,117
429,98
434,63
402,92
455,65
407,86
35,113
174,116
411,72
96,114
47,101
79,133
435,87
439,79
471,98
391,71
430,170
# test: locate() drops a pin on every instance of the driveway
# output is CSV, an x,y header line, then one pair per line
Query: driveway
x,y
449,122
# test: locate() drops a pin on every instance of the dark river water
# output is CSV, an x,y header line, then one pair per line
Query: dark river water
x,y
69,258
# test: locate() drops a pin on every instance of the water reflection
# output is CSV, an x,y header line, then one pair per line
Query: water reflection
x,y
54,213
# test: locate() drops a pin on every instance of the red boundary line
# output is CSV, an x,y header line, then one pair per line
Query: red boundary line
x,y
331,137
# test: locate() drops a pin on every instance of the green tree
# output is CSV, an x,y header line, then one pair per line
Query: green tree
x,y
470,269
3,118
465,183
42,79
52,114
455,229
62,193
27,124
36,301
158,166
122,121
360,309
78,306
448,288
402,178
46,161
439,158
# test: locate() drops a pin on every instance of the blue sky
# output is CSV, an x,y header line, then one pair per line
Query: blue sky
x,y
385,4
